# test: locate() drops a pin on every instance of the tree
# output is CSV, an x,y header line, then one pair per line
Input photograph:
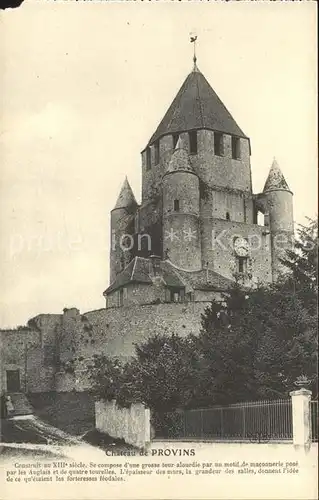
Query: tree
x,y
256,345
302,261
162,374
166,368
107,377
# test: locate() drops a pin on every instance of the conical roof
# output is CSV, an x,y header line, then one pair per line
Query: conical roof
x,y
126,197
275,179
196,106
179,160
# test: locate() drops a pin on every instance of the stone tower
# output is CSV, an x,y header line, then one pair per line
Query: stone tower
x,y
181,212
198,213
122,225
277,205
198,229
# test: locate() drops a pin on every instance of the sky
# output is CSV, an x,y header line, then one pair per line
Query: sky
x,y
84,86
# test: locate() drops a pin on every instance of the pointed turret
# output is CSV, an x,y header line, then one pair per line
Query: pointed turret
x,y
275,179
179,161
122,226
278,206
126,197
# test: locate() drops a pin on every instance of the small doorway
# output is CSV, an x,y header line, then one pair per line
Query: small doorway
x,y
177,294
13,380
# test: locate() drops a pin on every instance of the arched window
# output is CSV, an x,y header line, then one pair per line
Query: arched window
x,y
227,216
176,205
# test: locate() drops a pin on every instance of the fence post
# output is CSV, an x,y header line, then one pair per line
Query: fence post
x,y
301,418
221,423
244,421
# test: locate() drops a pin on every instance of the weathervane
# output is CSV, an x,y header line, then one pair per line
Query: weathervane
x,y
193,40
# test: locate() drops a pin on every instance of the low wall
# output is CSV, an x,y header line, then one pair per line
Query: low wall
x,y
131,424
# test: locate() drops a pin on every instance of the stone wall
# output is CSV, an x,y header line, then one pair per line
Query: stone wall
x,y
121,224
77,337
23,350
218,248
131,424
152,177
18,349
116,330
183,248
113,332
135,294
222,171
280,209
217,203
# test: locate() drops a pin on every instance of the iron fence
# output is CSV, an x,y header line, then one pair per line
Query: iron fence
x,y
259,421
314,421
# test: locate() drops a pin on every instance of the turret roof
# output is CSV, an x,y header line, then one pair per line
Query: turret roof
x,y
275,179
126,197
196,106
179,160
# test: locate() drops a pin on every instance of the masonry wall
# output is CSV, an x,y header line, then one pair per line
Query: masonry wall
x,y
114,332
122,223
48,327
206,295
18,349
280,209
216,171
136,293
237,204
131,424
223,171
151,177
149,214
110,331
183,248
218,248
